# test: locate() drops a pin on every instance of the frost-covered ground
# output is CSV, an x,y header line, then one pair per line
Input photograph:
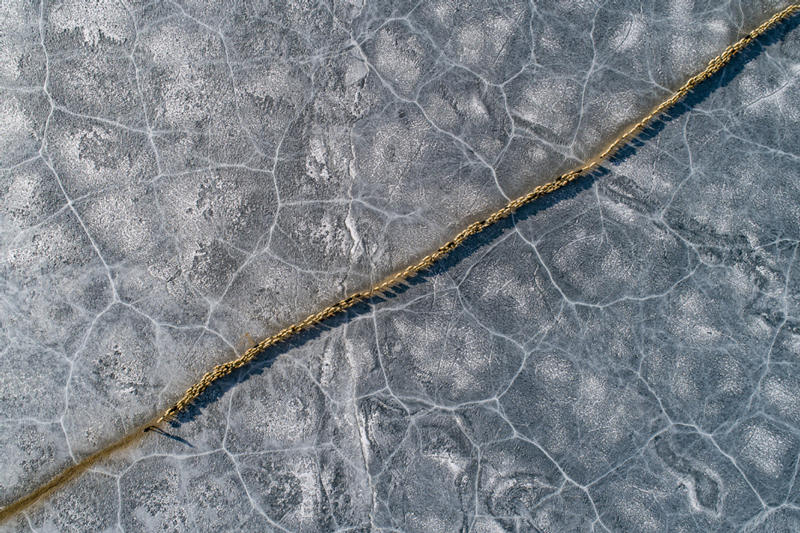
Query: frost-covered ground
x,y
178,178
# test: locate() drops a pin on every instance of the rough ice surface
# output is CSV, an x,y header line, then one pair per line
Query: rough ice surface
x,y
177,178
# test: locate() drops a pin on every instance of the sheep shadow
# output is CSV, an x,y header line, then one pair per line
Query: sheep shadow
x,y
472,244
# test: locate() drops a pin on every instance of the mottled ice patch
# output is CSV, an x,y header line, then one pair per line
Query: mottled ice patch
x,y
95,19
764,449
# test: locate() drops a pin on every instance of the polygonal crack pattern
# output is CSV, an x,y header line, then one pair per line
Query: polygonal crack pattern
x,y
178,177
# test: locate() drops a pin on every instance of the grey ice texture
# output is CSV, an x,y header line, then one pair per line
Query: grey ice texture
x,y
177,178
